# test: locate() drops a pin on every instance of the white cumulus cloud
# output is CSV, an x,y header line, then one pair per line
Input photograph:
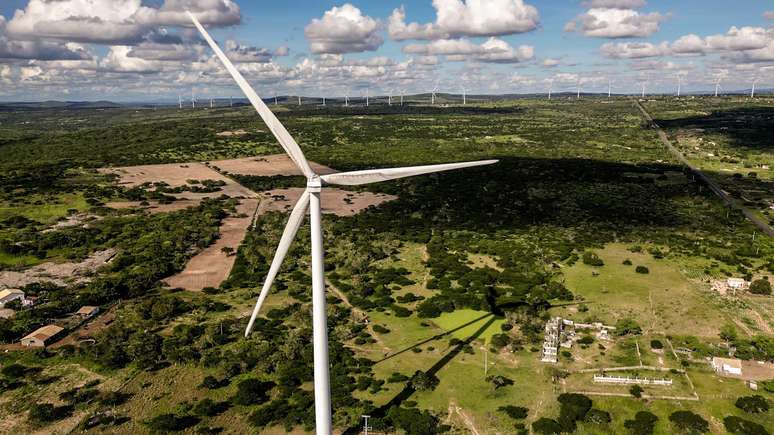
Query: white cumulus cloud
x,y
616,23
634,50
494,50
457,18
343,29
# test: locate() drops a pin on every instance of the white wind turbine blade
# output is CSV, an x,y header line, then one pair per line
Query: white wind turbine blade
x,y
368,176
285,139
291,228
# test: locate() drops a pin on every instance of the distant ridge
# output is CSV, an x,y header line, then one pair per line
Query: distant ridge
x,y
51,104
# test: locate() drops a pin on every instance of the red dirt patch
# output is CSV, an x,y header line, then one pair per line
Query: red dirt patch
x,y
266,166
334,201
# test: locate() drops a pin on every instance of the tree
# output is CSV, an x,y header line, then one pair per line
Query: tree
x,y
413,421
689,422
760,286
514,412
546,426
422,381
597,416
43,413
642,269
627,326
144,349
739,425
171,422
656,344
499,381
752,404
636,391
728,333
573,408
592,259
252,392
643,423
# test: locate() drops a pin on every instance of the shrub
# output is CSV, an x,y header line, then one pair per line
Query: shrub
x,y
760,287
500,340
627,326
689,422
739,425
400,311
252,392
643,423
397,377
506,327
43,413
627,262
656,344
636,391
413,421
546,426
597,416
171,422
210,382
209,408
422,381
642,269
586,339
592,259
514,412
381,329
752,404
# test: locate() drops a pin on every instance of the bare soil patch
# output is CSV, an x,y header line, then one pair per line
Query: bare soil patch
x,y
334,201
266,166
58,273
240,132
212,266
88,329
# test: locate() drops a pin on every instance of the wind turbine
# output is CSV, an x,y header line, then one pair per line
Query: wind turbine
x,y
210,103
550,88
275,97
752,92
368,90
432,93
609,88
180,101
579,83
311,199
679,84
193,100
389,98
717,87
464,96
346,100
299,99
401,96
643,89
323,100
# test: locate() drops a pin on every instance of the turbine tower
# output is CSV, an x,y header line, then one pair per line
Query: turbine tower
x,y
299,99
210,103
550,88
609,88
180,101
679,84
464,97
368,90
346,100
643,90
579,83
752,92
323,100
311,199
717,87
193,100
401,96
432,93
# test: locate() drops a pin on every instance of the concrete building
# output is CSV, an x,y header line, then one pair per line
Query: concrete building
x,y
41,336
736,284
727,366
558,333
10,295
87,311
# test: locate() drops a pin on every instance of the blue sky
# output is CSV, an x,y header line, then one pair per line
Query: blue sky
x,y
145,49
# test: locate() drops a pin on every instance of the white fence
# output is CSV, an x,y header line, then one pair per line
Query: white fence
x,y
627,380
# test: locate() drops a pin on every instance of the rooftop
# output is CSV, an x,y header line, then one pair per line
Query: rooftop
x,y
45,332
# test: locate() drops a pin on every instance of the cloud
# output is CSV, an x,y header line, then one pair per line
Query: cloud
x,y
616,4
634,50
244,54
769,15
689,44
550,62
44,50
494,50
343,30
741,44
112,21
457,18
615,23
744,38
119,59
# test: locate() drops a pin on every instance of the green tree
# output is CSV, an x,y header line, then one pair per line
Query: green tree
x,y
760,286
636,391
728,332
514,412
546,426
252,392
144,349
688,422
422,381
597,416
752,404
741,426
643,423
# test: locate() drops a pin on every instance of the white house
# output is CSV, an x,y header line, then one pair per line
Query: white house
x,y
10,295
727,366
736,283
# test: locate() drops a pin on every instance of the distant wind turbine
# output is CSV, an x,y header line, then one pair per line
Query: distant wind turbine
x,y
299,99
432,93
579,86
717,87
193,100
679,84
368,90
550,88
210,103
401,96
464,96
609,88
310,199
180,101
752,92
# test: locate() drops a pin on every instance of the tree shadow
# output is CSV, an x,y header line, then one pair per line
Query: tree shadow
x,y
746,127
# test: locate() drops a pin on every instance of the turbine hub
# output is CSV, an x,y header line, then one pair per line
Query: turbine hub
x,y
314,184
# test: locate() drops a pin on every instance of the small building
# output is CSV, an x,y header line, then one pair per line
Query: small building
x,y
727,366
10,295
41,336
87,312
736,283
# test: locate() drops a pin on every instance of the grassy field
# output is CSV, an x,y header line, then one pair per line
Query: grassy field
x,y
44,209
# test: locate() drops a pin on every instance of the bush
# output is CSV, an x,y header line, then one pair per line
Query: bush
x,y
422,381
643,423
43,413
171,422
210,382
209,408
760,287
642,269
592,259
627,262
500,340
739,425
397,377
597,416
252,392
413,421
752,404
656,344
546,426
381,329
636,391
689,422
586,339
627,326
514,412
400,311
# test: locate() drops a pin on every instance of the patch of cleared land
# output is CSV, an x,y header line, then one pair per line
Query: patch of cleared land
x,y
266,166
57,273
211,266
334,201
